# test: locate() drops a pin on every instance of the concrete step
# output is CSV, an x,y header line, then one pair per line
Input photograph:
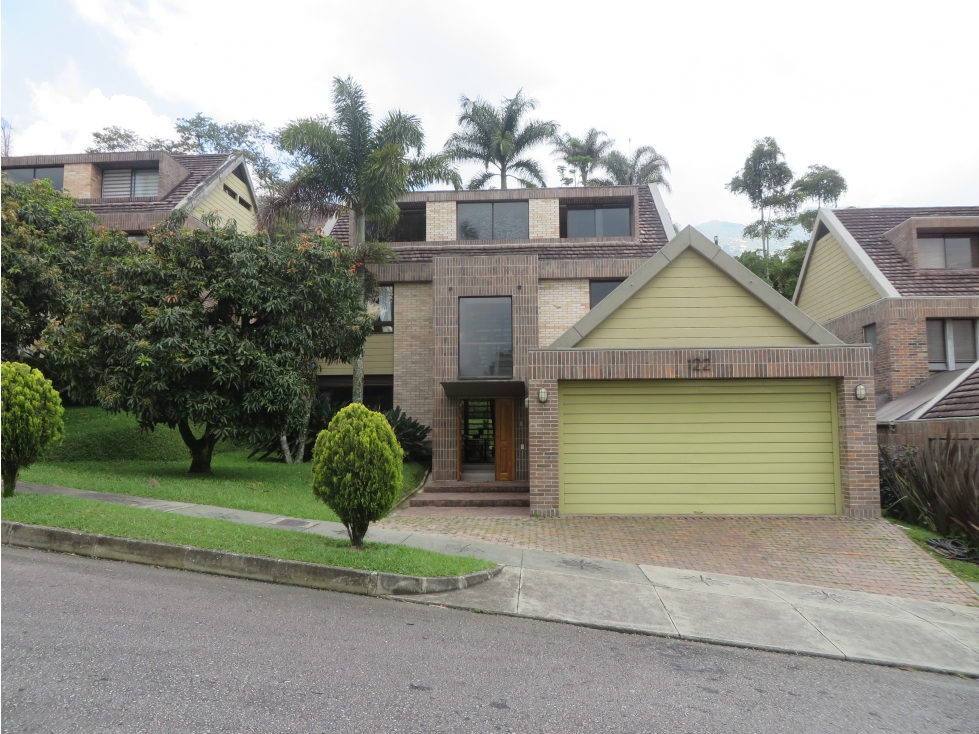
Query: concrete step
x,y
471,499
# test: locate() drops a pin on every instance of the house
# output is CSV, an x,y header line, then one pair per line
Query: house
x,y
135,191
568,342
905,281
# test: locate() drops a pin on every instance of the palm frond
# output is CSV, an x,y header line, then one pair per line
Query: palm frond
x,y
480,180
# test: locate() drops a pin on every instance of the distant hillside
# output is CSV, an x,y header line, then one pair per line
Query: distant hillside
x,y
729,236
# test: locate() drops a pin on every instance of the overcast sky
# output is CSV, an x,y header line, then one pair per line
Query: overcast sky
x,y
886,92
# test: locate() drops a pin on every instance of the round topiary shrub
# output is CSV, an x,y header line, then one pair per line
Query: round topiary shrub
x,y
357,468
33,419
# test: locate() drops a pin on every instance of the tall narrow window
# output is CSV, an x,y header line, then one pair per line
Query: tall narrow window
x,y
952,343
384,320
870,336
485,337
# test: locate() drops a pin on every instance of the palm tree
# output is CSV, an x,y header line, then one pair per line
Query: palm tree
x,y
645,166
582,155
351,162
498,136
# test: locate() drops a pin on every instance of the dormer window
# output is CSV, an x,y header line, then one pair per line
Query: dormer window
x,y
126,183
501,220
948,251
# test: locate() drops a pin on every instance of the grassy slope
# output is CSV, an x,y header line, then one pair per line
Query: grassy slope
x,y
965,571
130,522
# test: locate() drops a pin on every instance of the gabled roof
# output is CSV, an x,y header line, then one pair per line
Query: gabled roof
x,y
953,394
691,239
862,235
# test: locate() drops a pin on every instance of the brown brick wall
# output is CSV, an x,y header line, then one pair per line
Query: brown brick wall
x,y
440,221
919,433
414,342
562,303
858,440
901,362
545,218
83,180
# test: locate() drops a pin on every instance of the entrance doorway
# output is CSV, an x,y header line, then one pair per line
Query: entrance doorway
x,y
486,438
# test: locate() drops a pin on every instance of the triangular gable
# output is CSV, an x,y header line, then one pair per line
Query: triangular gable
x,y
693,294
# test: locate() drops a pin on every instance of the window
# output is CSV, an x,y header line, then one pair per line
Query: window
x,y
955,338
384,318
485,337
125,183
948,251
54,174
503,220
598,289
410,228
230,192
870,336
598,222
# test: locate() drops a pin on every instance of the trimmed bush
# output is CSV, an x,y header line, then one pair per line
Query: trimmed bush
x,y
410,433
357,468
33,419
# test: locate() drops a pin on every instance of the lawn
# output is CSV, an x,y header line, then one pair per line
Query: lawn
x,y
962,569
154,468
130,522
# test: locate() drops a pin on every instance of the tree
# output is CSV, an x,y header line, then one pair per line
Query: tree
x,y
765,180
781,269
33,419
114,139
498,137
821,184
210,328
44,243
642,168
7,131
582,155
357,469
354,163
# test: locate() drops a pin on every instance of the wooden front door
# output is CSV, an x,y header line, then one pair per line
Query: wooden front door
x,y
504,439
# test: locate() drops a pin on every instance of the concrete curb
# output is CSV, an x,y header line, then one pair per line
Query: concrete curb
x,y
240,565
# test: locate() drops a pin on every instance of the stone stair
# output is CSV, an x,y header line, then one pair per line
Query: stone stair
x,y
473,494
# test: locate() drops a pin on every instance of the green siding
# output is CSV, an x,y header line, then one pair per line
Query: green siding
x,y
666,447
833,285
378,358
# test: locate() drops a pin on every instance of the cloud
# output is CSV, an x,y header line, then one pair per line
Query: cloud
x,y
65,116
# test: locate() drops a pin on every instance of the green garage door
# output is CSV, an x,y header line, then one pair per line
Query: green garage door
x,y
734,447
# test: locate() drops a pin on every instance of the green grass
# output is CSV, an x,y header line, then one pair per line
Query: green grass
x,y
414,472
130,522
962,569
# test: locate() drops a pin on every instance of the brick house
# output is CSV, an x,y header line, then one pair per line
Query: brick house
x,y
487,324
905,281
134,191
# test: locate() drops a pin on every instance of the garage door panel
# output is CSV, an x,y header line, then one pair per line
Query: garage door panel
x,y
686,446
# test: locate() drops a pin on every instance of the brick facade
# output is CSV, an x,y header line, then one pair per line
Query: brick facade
x,y
414,342
851,365
901,362
562,303
83,180
440,221
545,218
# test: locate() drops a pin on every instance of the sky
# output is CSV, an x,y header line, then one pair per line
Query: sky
x,y
885,92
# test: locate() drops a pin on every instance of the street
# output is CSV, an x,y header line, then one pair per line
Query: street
x,y
103,646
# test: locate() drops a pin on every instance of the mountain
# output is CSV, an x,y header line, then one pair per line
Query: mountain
x,y
730,240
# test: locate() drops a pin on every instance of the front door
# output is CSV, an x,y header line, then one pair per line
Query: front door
x,y
504,439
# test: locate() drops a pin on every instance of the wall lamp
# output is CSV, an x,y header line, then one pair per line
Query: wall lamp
x,y
542,395
860,393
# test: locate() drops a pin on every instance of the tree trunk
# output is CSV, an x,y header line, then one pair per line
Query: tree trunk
x,y
284,443
201,449
502,177
10,480
356,531
357,393
300,456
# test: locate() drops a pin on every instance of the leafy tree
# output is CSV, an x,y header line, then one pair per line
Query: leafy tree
x,y
645,166
781,269
44,243
357,469
765,180
582,155
354,163
33,419
210,328
114,139
821,184
498,137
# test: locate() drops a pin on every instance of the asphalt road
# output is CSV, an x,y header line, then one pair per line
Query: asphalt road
x,y
101,646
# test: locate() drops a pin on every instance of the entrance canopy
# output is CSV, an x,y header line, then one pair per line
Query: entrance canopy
x,y
484,388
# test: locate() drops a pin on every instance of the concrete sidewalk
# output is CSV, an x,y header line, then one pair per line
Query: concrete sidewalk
x,y
687,604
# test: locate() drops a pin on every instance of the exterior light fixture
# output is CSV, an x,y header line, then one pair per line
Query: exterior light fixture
x,y
542,395
860,393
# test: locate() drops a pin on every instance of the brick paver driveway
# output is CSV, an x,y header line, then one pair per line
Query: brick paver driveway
x,y
844,553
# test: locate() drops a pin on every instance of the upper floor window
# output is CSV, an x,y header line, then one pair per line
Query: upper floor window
x,y
384,317
485,337
951,343
410,228
598,289
948,251
870,336
499,220
125,183
597,221
54,174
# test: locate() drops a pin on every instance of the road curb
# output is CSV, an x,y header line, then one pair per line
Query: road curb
x,y
239,565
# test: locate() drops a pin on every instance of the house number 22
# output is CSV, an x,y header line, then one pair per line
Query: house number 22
x,y
699,365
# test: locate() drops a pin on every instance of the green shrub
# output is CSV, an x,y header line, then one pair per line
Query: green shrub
x,y
92,434
357,468
410,433
33,419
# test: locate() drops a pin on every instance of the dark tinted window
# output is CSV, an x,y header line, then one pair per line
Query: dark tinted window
x,y
581,222
475,221
506,220
601,288
870,336
599,222
20,175
411,226
54,174
936,344
485,337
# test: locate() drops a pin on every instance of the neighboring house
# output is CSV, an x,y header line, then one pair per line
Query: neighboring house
x,y
135,191
905,281
559,338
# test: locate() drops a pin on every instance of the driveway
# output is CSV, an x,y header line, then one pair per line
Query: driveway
x,y
837,552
